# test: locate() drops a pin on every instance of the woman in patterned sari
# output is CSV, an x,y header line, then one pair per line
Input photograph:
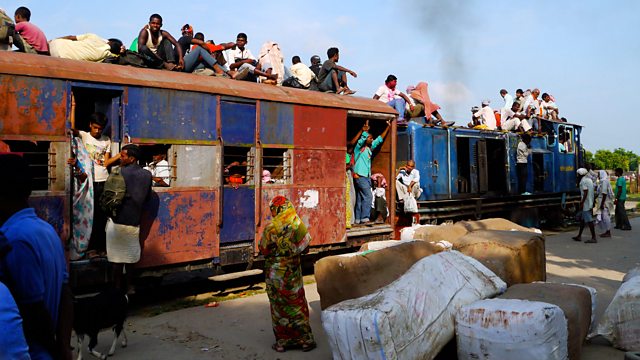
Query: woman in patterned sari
x,y
283,241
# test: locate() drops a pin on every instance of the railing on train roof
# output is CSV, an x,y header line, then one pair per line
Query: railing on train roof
x,y
13,63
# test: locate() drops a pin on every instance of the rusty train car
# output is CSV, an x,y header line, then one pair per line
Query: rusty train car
x,y
205,124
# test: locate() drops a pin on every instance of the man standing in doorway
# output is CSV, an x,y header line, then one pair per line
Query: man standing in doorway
x,y
123,230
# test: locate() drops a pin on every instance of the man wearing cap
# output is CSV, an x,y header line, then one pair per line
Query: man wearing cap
x,y
485,117
586,206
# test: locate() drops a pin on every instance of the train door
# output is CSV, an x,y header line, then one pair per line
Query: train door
x,y
542,170
478,169
439,167
567,159
238,136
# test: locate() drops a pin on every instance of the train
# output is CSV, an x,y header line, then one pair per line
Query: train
x,y
205,125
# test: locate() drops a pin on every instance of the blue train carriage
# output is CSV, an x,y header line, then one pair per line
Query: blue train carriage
x,y
204,126
471,174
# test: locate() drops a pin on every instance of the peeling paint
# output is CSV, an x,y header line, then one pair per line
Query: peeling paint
x,y
310,199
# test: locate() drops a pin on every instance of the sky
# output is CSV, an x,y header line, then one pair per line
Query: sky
x,y
584,53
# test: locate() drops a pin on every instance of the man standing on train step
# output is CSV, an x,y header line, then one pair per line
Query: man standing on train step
x,y
362,172
123,229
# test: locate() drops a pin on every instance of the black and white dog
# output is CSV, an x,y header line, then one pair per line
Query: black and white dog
x,y
107,309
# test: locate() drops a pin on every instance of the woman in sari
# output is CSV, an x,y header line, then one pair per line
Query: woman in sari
x,y
284,239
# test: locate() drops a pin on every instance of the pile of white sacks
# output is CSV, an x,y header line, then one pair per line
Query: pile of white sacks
x,y
435,293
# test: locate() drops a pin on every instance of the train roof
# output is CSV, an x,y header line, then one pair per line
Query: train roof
x,y
15,63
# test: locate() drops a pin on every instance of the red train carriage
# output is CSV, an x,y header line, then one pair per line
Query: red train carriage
x,y
205,125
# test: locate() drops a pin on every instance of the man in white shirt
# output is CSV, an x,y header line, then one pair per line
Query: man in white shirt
x,y
512,120
391,96
301,72
87,47
522,163
485,117
508,99
586,205
549,108
241,60
408,181
160,169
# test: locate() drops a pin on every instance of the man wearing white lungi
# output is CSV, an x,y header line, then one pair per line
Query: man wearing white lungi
x,y
408,181
123,230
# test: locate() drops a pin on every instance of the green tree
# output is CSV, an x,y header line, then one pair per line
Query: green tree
x,y
619,158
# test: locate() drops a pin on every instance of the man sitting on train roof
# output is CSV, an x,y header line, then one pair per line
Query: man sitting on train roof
x,y
549,107
242,63
28,38
333,77
158,46
512,120
301,75
483,118
423,106
519,99
207,58
87,47
393,97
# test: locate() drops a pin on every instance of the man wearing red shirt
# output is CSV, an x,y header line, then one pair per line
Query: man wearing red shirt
x,y
29,38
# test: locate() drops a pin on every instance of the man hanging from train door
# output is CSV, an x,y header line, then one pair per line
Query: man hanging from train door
x,y
362,171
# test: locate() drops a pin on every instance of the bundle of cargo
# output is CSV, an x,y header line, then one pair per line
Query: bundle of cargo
x,y
413,317
350,276
496,224
521,323
511,329
516,256
448,233
620,324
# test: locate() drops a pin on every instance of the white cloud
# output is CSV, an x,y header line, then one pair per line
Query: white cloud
x,y
453,97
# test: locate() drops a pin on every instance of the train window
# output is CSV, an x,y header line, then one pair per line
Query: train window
x,y
276,166
47,161
193,165
566,139
238,165
88,101
162,166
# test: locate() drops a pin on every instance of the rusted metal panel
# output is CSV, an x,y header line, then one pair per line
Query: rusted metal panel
x,y
319,127
166,114
276,123
32,106
238,218
319,167
54,210
179,226
323,210
238,123
39,66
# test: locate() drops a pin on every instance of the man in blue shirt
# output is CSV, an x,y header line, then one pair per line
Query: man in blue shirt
x,y
35,268
362,172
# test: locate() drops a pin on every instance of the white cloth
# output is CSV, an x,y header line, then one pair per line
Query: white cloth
x,y
403,190
88,47
511,123
548,108
123,243
487,117
522,153
97,148
161,170
508,101
385,94
153,47
529,101
586,184
302,72
407,178
235,54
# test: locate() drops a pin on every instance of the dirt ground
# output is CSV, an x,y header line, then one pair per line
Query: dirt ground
x,y
241,328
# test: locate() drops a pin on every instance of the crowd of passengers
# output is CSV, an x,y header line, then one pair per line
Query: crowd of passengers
x,y
156,48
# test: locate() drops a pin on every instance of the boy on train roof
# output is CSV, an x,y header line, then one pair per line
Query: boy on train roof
x,y
333,77
28,37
